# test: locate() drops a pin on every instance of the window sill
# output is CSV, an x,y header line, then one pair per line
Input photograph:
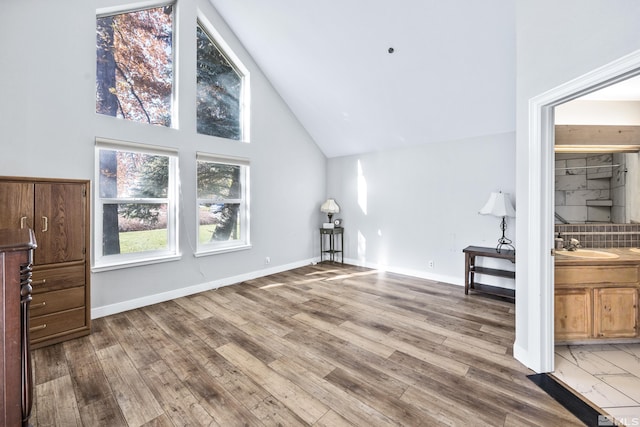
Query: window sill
x,y
128,264
208,252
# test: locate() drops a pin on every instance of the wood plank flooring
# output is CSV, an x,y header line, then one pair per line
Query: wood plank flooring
x,y
323,345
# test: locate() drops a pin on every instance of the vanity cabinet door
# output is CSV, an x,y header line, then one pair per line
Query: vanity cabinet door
x,y
573,314
616,312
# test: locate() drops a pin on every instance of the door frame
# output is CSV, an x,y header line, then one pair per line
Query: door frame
x,y
542,183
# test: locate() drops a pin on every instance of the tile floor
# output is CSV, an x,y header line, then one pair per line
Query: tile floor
x,y
606,375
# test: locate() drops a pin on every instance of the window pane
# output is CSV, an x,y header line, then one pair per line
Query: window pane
x,y
140,228
219,88
219,222
125,174
135,214
135,65
222,205
218,181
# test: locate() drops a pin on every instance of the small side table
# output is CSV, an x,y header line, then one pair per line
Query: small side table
x,y
332,234
471,269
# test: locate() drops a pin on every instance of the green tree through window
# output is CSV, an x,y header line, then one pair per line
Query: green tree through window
x,y
219,91
136,200
222,202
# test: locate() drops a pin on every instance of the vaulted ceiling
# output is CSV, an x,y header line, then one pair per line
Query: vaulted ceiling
x,y
451,73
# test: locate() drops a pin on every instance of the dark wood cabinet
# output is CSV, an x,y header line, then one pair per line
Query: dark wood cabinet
x,y
16,255
58,212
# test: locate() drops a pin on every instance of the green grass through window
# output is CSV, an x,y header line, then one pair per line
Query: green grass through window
x,y
153,240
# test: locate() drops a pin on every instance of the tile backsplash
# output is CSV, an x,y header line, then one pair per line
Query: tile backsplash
x,y
601,235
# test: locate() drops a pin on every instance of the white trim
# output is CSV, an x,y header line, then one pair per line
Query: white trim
x,y
101,12
521,354
138,147
101,262
220,158
135,263
539,289
245,94
453,280
107,310
244,242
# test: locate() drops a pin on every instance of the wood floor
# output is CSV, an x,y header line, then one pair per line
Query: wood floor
x,y
323,345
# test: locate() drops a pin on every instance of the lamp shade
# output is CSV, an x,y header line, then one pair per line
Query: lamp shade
x,y
330,206
498,205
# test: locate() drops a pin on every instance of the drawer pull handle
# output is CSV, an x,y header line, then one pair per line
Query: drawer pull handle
x,y
40,305
45,224
38,328
23,222
39,282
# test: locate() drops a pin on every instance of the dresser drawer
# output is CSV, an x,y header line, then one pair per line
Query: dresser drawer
x,y
54,278
51,324
51,302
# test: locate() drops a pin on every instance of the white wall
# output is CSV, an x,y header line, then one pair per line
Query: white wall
x,y
47,81
403,208
556,42
584,112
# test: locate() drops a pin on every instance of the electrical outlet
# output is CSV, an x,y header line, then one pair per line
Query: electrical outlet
x,y
430,263
267,260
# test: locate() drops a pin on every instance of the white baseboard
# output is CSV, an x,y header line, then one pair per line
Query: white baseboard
x,y
530,361
106,310
454,280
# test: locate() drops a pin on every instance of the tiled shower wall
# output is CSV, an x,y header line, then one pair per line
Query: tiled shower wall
x,y
601,235
583,187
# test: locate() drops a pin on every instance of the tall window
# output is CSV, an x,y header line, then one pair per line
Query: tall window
x,y
220,106
223,208
134,77
136,205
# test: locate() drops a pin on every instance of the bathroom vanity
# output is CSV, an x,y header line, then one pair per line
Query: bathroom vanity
x,y
596,295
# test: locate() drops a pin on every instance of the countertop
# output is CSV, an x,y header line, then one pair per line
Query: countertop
x,y
626,256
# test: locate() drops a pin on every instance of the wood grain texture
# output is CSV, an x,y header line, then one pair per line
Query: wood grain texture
x,y
322,345
597,135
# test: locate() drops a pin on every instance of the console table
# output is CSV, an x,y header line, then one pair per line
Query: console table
x,y
471,270
332,251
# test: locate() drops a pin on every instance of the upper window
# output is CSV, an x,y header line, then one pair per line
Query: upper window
x,y
220,106
222,206
136,203
134,74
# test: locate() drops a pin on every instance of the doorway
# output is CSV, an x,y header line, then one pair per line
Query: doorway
x,y
541,188
595,154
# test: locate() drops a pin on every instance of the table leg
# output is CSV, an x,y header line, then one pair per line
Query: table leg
x,y
467,265
331,246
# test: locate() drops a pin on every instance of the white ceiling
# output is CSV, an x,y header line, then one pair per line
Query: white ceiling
x,y
451,75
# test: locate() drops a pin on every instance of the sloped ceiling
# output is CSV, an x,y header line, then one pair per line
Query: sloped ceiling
x,y
451,74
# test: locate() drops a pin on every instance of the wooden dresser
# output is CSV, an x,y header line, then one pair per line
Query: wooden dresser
x,y
16,255
58,212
